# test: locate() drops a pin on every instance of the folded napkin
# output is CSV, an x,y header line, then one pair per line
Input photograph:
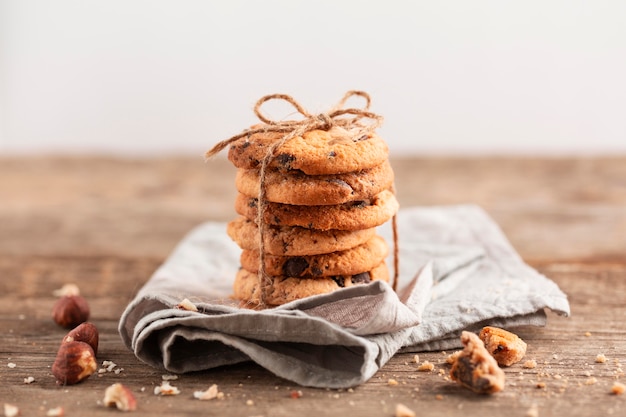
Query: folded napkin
x,y
457,272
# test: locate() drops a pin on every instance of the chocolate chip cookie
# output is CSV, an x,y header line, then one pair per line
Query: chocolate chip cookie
x,y
295,241
295,187
283,289
317,152
349,262
355,215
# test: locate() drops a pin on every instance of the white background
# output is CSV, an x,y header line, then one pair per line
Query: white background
x,y
451,77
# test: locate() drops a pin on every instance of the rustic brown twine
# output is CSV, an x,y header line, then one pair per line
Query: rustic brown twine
x,y
358,118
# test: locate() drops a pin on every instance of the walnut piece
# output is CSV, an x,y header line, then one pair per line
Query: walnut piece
x,y
475,369
506,347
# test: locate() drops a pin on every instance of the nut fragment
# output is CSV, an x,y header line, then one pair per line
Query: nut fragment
x,y
505,346
70,310
475,368
85,332
11,410
119,396
55,412
404,411
66,289
75,361
166,389
186,305
211,393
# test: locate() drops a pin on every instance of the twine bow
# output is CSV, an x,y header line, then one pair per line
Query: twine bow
x,y
360,119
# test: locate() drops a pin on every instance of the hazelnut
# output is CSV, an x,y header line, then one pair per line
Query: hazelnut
x,y
119,396
75,361
85,332
70,310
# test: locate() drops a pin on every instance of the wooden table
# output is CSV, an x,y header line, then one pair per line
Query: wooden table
x,y
106,224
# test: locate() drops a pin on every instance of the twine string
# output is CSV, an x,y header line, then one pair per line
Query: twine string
x,y
360,119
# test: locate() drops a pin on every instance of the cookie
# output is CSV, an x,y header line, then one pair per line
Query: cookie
x,y
295,241
317,152
355,215
282,289
295,187
349,262
474,368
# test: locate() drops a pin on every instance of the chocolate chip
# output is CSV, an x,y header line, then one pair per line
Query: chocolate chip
x,y
340,280
359,204
362,278
464,373
339,182
245,145
364,137
285,159
295,266
332,154
252,203
316,271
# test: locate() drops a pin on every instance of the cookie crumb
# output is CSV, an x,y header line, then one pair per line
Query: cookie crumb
x,y
587,334
591,381
541,385
29,380
11,365
249,403
392,382
452,357
618,388
530,364
426,367
600,358
404,411
416,358
168,377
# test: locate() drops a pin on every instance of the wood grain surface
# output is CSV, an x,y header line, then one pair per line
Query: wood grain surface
x,y
108,223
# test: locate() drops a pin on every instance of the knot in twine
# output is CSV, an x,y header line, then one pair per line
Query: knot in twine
x,y
359,119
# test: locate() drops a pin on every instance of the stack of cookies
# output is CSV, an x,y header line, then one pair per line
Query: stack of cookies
x,y
325,194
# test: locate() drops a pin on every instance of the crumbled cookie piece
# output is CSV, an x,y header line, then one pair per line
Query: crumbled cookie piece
x,y
452,357
600,358
618,388
530,364
475,369
506,347
426,367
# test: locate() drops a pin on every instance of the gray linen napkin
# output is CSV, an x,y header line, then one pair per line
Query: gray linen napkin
x,y
457,272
